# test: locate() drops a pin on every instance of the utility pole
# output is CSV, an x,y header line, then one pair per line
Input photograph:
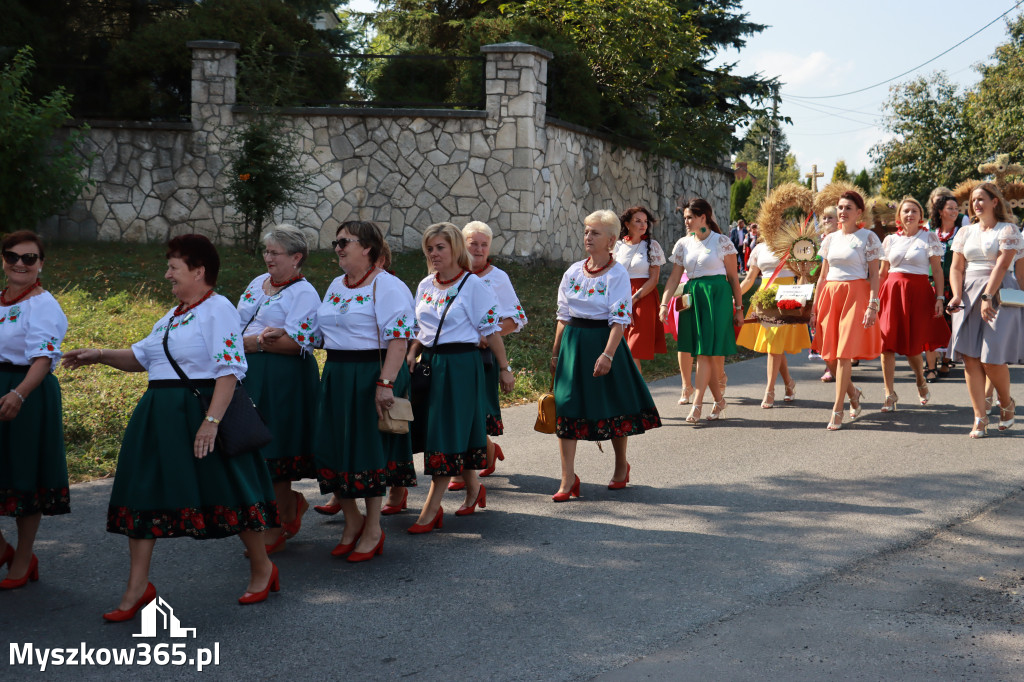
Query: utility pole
x,y
773,132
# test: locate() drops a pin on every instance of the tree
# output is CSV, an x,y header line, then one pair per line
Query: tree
x,y
839,173
786,171
41,173
863,181
738,195
998,98
754,146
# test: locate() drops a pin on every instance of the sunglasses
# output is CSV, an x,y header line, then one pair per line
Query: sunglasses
x,y
342,242
26,258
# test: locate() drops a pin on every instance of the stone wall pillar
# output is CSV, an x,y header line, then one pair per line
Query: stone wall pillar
x,y
516,81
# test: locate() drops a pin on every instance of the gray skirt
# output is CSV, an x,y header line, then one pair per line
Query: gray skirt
x,y
1000,342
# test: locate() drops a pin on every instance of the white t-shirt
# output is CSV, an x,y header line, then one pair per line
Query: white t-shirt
x,y
356,319
293,309
604,297
509,307
206,343
981,247
910,255
766,261
638,259
702,258
472,315
848,255
32,328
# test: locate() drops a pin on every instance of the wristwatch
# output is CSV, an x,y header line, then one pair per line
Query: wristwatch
x,y
212,420
986,297
507,368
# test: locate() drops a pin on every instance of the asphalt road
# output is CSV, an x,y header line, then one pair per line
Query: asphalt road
x,y
761,534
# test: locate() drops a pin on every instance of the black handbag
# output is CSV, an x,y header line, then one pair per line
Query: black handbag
x,y
242,429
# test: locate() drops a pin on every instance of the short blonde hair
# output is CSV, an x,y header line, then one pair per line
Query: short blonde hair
x,y
456,243
476,226
609,221
911,200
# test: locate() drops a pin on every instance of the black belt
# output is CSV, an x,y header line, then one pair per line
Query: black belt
x,y
11,367
178,383
353,355
586,324
451,348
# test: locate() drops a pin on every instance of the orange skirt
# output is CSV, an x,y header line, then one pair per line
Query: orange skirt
x,y
646,335
839,330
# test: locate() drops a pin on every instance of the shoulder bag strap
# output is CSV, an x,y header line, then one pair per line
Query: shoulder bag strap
x,y
448,305
258,305
177,368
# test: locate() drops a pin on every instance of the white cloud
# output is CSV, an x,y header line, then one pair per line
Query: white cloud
x,y
798,71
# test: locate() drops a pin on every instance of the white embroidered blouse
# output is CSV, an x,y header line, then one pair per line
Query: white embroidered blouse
x,y
701,258
848,255
473,313
638,259
293,309
206,342
509,306
766,261
360,319
32,328
605,297
910,255
981,247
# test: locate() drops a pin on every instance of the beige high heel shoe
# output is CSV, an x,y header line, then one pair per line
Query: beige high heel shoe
x,y
890,403
832,424
927,393
981,432
687,395
717,411
694,416
1005,424
769,400
856,411
790,393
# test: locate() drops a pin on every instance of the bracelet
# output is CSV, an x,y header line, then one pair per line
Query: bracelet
x,y
20,396
873,300
664,305
384,383
607,356
873,309
940,298
212,420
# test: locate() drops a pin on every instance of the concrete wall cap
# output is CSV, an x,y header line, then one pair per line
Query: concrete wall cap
x,y
516,46
213,45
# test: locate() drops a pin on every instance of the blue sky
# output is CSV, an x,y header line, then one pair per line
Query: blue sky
x,y
826,47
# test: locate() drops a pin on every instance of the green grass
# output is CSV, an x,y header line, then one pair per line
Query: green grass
x,y
113,293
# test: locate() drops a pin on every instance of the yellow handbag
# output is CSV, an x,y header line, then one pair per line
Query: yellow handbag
x,y
546,410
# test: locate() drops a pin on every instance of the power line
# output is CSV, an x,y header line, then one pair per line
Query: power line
x,y
795,133
909,71
826,113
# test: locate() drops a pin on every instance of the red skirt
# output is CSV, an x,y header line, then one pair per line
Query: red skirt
x,y
839,330
646,335
907,315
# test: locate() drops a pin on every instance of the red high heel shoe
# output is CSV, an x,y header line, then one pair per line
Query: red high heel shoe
x,y
31,574
356,557
427,527
301,506
619,485
456,485
498,455
327,509
389,509
273,585
481,499
574,491
8,556
341,549
119,616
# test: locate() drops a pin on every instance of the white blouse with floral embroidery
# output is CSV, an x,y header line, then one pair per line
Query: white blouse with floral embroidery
x,y
509,307
703,257
848,255
206,343
980,248
293,309
473,313
638,259
360,319
605,297
32,328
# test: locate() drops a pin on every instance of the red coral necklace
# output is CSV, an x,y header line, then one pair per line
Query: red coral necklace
x,y
361,279
182,308
285,283
586,267
486,265
446,282
19,297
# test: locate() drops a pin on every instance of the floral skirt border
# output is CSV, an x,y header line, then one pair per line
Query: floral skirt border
x,y
375,483
495,427
291,468
441,464
202,524
603,429
49,501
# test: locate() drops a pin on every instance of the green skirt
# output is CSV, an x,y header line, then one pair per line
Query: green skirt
x,y
598,408
495,427
284,388
455,415
353,458
33,466
705,328
162,490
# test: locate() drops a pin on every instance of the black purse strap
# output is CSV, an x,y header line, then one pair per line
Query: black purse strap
x,y
258,305
448,305
170,358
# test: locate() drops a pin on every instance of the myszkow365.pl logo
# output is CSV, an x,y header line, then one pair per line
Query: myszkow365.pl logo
x,y
157,616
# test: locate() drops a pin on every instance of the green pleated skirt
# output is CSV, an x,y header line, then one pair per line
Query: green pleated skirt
x,y
33,465
495,427
353,458
161,490
284,388
455,415
598,408
705,328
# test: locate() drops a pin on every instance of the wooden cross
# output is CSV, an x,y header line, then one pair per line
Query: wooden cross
x,y
814,175
1000,168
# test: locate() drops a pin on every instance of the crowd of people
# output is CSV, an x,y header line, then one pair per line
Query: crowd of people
x,y
926,292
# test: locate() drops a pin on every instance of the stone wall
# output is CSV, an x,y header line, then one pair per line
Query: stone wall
x,y
532,178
